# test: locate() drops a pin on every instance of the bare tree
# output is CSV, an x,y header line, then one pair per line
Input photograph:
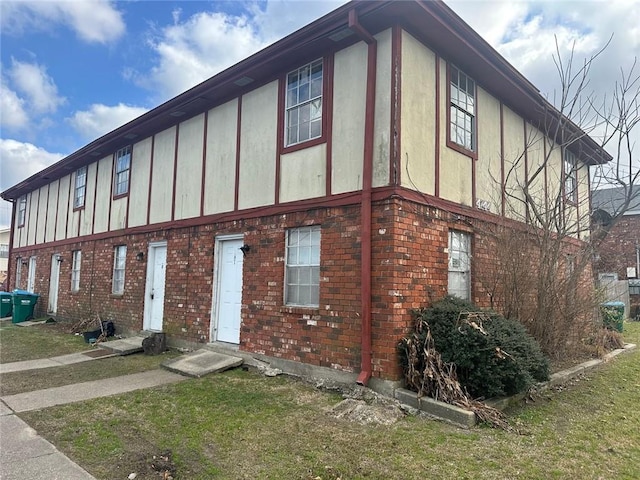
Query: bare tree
x,y
546,188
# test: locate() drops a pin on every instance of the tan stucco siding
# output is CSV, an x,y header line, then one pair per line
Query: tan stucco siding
x,y
220,168
139,185
489,165
418,107
63,207
52,207
536,173
103,194
349,103
259,120
382,123
303,174
118,213
42,213
32,219
514,164
86,222
188,176
162,179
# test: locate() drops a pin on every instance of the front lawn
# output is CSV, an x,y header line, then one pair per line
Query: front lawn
x,y
242,425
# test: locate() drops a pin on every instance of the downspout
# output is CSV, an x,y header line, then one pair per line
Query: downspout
x,y
365,208
11,234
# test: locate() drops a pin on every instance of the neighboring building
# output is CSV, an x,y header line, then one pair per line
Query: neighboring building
x,y
617,262
5,234
301,203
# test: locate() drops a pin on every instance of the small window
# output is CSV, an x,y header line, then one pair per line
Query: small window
x,y
462,113
123,165
302,272
459,265
18,273
570,176
75,270
4,250
304,104
31,278
119,261
81,187
22,210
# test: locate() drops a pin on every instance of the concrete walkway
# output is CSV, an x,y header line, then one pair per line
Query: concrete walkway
x,y
26,455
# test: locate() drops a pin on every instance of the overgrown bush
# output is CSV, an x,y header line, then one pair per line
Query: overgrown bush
x,y
493,356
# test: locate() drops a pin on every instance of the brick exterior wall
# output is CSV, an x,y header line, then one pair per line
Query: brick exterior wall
x,y
618,251
409,269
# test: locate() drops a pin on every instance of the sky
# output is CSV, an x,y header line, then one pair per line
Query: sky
x,y
74,70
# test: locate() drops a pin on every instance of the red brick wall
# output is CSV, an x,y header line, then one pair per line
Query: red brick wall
x,y
409,269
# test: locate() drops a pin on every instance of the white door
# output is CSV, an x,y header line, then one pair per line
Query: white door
x,y
31,279
54,281
228,286
156,270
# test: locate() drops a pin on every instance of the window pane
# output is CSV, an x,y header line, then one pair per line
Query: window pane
x,y
302,266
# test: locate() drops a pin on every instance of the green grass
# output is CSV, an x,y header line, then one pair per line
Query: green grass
x,y
241,425
38,341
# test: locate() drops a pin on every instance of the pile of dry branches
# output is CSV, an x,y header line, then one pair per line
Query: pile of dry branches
x,y
88,324
427,374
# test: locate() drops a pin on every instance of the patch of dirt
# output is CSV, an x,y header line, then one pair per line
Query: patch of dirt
x,y
152,467
364,413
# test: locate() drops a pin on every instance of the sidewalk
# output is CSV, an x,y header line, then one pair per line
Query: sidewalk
x,y
26,455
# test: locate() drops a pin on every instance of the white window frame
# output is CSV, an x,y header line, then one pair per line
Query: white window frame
x,y
18,273
22,210
122,171
76,264
462,109
80,187
570,176
31,277
119,265
459,277
303,103
302,267
4,250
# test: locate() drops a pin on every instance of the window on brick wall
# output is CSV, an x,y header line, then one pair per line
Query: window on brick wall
x,y
31,278
460,264
75,270
119,262
22,210
302,272
18,273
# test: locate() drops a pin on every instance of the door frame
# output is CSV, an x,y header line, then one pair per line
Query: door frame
x,y
217,249
151,258
56,258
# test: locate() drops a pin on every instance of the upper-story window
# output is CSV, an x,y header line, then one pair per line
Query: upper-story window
x,y
81,187
22,210
123,166
570,176
462,114
304,104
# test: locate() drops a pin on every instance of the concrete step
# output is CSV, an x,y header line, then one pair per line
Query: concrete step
x,y
202,362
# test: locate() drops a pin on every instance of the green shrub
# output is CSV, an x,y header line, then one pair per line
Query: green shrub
x,y
504,361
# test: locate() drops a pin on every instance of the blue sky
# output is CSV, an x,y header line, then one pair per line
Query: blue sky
x,y
73,70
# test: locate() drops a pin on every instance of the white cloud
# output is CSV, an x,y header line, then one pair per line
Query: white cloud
x,y
13,114
101,119
39,88
93,21
190,51
20,160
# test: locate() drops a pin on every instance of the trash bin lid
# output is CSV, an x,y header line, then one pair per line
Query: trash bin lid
x,y
21,292
613,304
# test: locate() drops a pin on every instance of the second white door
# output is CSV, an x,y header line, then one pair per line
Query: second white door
x,y
156,274
229,290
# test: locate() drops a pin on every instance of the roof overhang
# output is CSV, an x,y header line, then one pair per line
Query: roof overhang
x,y
431,21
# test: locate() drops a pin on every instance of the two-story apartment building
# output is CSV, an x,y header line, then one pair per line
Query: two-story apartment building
x,y
299,204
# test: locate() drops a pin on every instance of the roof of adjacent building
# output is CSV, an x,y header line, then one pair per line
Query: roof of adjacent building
x,y
432,22
612,200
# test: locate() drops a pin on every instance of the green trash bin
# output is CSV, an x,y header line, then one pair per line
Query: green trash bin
x,y
6,304
23,304
613,315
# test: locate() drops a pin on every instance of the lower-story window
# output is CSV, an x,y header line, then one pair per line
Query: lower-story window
x,y
302,272
119,261
75,270
460,264
18,273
